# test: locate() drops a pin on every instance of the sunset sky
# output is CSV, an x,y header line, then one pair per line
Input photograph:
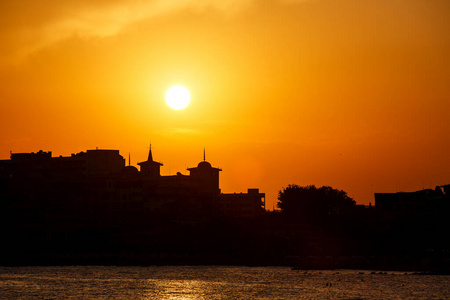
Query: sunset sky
x,y
347,93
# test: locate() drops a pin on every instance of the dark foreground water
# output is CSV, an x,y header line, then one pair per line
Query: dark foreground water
x,y
214,282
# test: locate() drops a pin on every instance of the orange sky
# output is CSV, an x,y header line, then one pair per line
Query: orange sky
x,y
352,94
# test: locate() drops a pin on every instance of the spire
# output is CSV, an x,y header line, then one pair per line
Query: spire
x,y
150,156
204,156
129,159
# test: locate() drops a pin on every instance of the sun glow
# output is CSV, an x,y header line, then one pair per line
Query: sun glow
x,y
178,97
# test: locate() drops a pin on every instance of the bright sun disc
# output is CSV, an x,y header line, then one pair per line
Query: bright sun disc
x,y
178,97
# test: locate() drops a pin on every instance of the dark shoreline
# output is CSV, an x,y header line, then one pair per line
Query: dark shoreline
x,y
432,267
363,271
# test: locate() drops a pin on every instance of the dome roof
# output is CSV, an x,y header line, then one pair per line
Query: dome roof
x,y
130,170
204,164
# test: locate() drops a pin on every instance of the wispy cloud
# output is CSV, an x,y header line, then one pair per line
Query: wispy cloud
x,y
30,29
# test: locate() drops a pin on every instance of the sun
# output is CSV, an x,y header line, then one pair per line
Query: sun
x,y
178,97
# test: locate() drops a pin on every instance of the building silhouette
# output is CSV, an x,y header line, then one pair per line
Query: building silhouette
x,y
97,188
74,208
426,204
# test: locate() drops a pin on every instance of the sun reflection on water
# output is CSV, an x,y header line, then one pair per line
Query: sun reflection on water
x,y
213,282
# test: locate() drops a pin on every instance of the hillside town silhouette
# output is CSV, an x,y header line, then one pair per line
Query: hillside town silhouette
x,y
93,208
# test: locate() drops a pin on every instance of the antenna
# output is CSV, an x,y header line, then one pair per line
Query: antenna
x,y
129,159
204,155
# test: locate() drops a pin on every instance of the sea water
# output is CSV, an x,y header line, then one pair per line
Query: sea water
x,y
215,282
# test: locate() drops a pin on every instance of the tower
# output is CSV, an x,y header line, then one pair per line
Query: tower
x,y
150,168
205,177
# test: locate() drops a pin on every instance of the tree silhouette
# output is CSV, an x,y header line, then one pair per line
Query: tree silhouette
x,y
309,203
